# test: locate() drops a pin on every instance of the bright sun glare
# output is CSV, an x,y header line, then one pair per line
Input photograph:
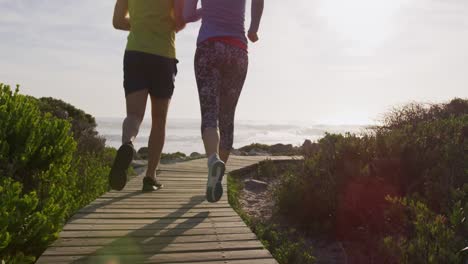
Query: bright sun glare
x,y
364,25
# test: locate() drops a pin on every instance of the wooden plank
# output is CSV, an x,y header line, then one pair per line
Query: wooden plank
x,y
153,215
152,200
245,261
126,246
157,206
154,226
119,259
151,221
165,198
162,258
99,241
146,233
157,210
189,197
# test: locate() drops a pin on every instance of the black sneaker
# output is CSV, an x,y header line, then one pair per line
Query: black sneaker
x,y
118,173
151,185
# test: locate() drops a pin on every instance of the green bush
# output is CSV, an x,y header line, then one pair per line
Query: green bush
x,y
310,198
83,125
14,226
284,245
173,156
255,146
420,152
431,239
267,168
36,150
94,170
49,168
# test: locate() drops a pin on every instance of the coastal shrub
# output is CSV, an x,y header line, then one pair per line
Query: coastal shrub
x,y
310,198
173,156
14,226
267,168
432,159
91,160
92,172
255,146
275,150
415,113
431,239
420,152
83,125
284,245
45,176
36,152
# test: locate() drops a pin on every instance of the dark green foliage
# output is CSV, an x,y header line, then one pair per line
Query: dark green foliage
x,y
43,179
83,125
14,226
284,245
255,146
173,156
165,157
421,153
413,114
92,170
35,150
267,168
275,150
432,240
325,174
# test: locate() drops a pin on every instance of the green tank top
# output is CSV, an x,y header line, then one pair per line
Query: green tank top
x,y
152,27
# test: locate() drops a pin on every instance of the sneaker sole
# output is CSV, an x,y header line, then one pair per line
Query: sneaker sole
x,y
152,189
118,173
214,187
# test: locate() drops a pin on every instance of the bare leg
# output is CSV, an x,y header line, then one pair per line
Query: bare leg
x,y
224,155
211,141
136,106
159,109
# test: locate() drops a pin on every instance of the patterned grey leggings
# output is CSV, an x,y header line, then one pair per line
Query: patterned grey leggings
x,y
220,70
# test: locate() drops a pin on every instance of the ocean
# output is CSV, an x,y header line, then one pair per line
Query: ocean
x,y
184,134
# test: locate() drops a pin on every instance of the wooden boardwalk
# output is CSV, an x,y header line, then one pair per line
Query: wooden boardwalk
x,y
172,225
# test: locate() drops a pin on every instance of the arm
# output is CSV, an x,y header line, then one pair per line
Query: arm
x,y
191,13
257,12
179,14
120,19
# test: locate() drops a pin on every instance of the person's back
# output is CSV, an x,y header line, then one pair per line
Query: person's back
x,y
152,27
149,69
223,18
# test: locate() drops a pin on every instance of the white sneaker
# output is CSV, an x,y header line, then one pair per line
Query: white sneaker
x,y
214,186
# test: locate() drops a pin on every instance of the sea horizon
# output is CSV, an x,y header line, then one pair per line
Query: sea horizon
x,y
184,134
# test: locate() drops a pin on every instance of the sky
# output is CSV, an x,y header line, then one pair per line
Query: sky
x,y
320,61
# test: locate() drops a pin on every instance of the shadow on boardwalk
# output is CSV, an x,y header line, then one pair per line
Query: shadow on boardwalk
x,y
151,237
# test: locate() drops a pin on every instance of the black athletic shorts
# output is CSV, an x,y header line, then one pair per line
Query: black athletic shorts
x,y
148,71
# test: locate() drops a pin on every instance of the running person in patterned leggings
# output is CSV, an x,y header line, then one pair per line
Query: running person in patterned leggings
x,y
221,63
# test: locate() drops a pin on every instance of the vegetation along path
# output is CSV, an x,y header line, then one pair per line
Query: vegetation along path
x,y
173,225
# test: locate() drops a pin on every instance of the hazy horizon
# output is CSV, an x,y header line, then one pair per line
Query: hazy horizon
x,y
184,135
324,61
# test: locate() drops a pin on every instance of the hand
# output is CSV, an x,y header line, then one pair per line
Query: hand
x,y
180,26
253,36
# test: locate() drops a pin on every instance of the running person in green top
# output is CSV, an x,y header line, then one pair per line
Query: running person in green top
x,y
150,67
